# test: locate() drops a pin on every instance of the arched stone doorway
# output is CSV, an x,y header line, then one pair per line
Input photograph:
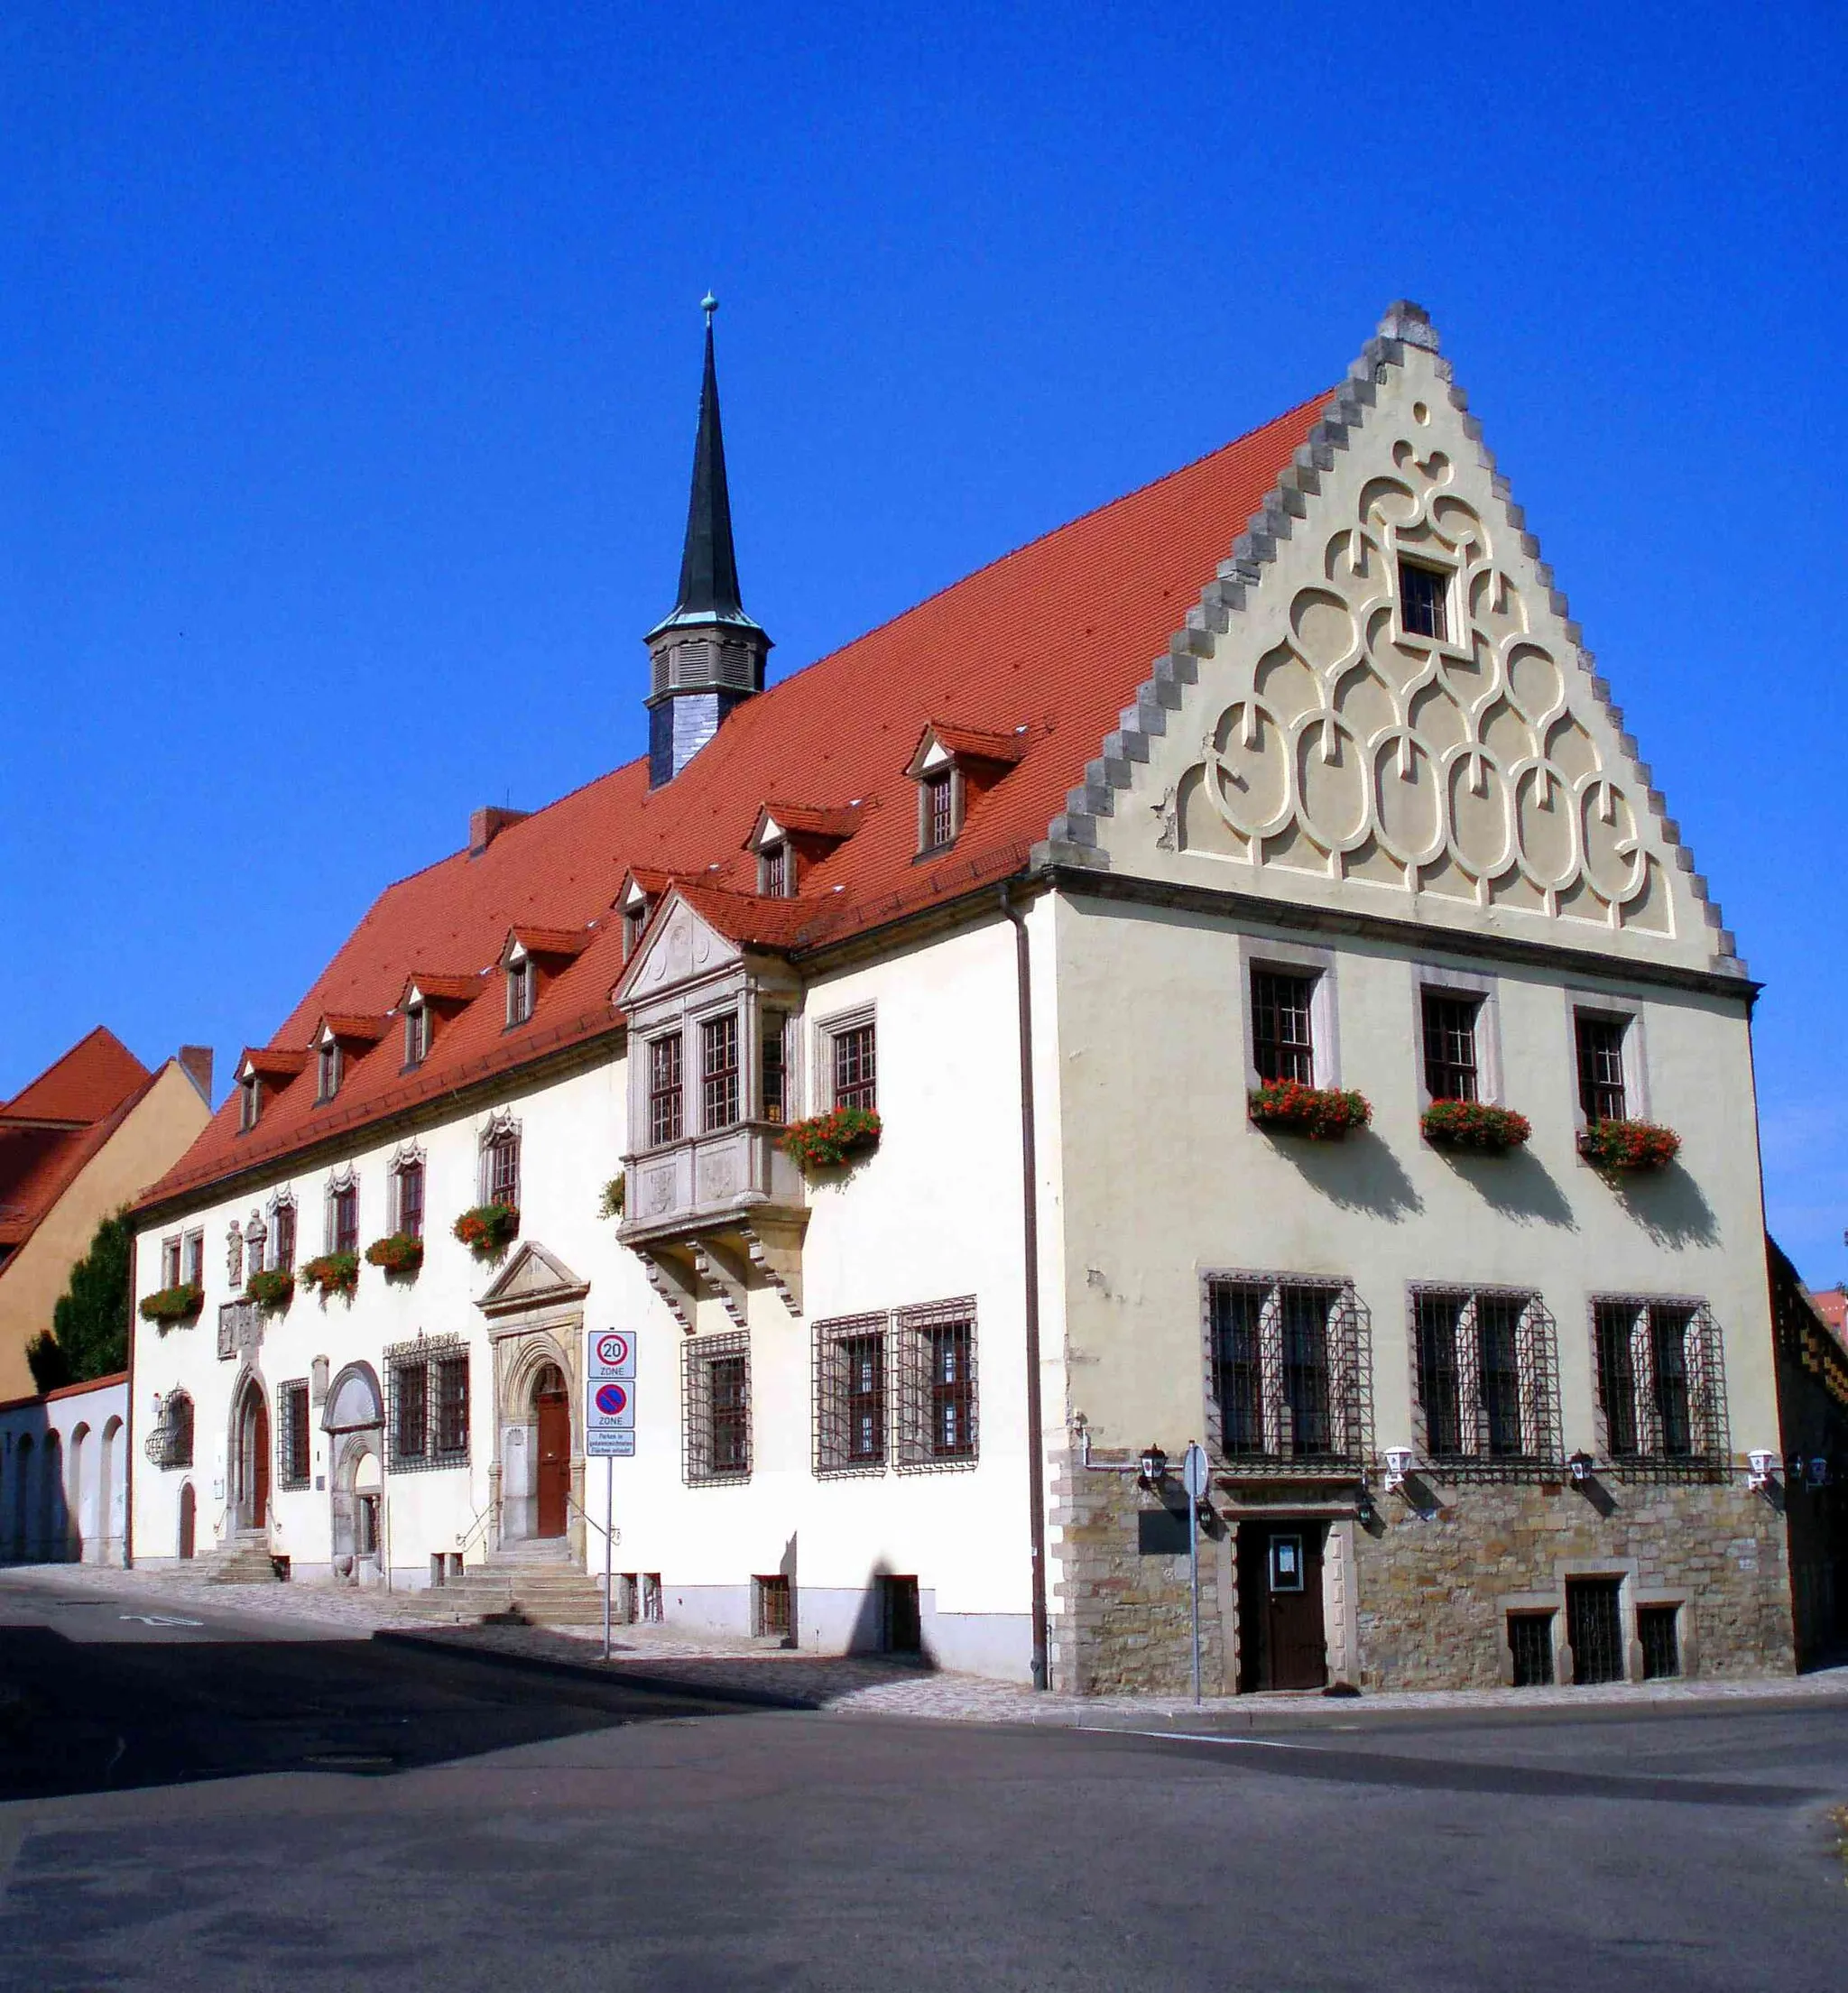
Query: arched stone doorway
x,y
354,1418
250,1429
535,1317
188,1521
551,1423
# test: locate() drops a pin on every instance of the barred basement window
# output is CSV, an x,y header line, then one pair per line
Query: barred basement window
x,y
664,1091
1488,1381
1450,1045
1292,1374
1594,1629
1283,1043
654,1601
294,1438
427,1412
719,1062
850,1394
716,1408
1424,601
770,1604
1531,1644
937,1419
1661,1387
1656,1633
1601,1093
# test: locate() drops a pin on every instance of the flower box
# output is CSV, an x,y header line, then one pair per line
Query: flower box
x,y
396,1252
487,1228
825,1141
1322,1114
172,1305
1474,1124
332,1273
272,1290
1628,1145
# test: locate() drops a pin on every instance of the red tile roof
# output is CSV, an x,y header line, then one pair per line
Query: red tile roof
x,y
53,1127
1114,586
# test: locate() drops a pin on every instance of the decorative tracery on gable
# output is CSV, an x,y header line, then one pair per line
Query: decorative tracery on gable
x,y
1464,764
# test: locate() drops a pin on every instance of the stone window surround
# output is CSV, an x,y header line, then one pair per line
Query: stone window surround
x,y
406,1154
1632,1596
1213,1428
1446,980
345,1178
288,1482
1435,561
503,1121
424,1354
1294,957
282,1199
1636,1065
826,1029
1544,1389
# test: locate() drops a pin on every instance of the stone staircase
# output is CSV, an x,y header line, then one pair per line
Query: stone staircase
x,y
242,1559
532,1584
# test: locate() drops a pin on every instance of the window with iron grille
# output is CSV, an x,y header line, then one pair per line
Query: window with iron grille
x,y
653,1600
856,1068
716,1408
1594,1629
1657,1633
1290,1372
719,1071
775,872
1488,1380
1424,601
1601,1089
294,1439
343,1218
776,1080
664,1090
501,1169
1283,1043
1530,1646
850,1394
1450,1045
427,1403
1661,1385
938,1411
939,809
283,1257
410,1198
169,1443
771,1606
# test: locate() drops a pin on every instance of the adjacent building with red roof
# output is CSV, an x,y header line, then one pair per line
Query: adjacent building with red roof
x,y
844,1139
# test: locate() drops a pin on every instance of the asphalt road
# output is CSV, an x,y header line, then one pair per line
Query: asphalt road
x,y
217,1804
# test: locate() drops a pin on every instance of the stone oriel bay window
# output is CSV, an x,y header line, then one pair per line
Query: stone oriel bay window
x,y
715,1409
1290,1367
1659,1368
1487,1384
954,767
427,1403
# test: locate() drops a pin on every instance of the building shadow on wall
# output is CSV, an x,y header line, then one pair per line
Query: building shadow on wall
x,y
1359,1173
1516,1184
890,1621
1670,1206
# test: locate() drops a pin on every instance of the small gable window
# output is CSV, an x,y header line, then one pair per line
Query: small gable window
x,y
955,767
520,991
417,1034
1424,595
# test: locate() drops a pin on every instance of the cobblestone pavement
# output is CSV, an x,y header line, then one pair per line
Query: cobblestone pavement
x,y
856,1685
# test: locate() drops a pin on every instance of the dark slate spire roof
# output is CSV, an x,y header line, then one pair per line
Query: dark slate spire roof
x,y
709,560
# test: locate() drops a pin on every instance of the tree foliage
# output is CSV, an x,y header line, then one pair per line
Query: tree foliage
x,y
89,1337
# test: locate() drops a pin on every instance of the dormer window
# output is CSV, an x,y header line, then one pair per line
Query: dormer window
x,y
634,919
250,1101
938,812
416,1034
954,768
327,1069
776,871
789,839
520,991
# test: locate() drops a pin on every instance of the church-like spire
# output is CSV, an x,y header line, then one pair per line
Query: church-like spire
x,y
710,560
708,654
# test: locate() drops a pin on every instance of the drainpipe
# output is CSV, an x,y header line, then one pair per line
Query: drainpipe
x,y
128,1425
1030,1242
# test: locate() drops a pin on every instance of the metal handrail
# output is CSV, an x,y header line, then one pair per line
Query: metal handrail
x,y
467,1535
572,1502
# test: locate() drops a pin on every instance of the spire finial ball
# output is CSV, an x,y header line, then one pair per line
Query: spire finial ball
x,y
708,304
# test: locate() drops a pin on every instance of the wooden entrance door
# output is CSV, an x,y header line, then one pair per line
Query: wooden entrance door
x,y
1282,1643
554,1410
256,1460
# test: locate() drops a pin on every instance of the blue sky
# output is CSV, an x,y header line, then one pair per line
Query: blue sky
x,y
348,366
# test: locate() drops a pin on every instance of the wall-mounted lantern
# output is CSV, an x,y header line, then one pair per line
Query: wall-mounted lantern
x,y
1579,1466
1761,1463
1154,1468
1398,1466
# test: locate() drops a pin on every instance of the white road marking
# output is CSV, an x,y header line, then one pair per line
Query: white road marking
x,y
1199,1737
159,1619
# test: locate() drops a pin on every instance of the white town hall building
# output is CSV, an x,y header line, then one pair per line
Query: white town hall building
x,y
1221,971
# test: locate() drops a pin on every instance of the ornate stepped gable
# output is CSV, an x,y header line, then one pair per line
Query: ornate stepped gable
x,y
1300,741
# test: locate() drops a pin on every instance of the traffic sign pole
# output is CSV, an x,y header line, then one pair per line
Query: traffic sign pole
x,y
1193,1474
609,1435
609,1504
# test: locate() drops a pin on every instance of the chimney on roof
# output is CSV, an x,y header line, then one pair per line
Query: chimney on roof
x,y
196,1063
485,825
708,655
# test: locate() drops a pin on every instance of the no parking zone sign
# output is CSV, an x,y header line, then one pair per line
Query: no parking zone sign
x,y
609,1395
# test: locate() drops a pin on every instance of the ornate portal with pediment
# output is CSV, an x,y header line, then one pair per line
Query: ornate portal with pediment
x,y
535,1319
